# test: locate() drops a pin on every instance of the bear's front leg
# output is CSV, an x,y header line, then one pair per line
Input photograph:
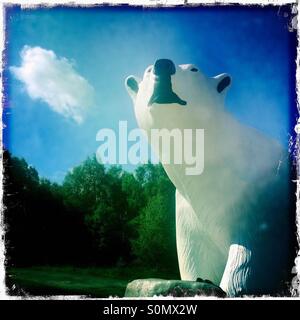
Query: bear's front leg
x,y
199,255
237,271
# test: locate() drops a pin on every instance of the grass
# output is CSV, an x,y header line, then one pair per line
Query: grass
x,y
67,280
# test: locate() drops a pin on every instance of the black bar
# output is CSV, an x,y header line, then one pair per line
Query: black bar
x,y
145,309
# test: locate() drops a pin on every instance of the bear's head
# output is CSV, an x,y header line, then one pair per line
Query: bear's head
x,y
176,97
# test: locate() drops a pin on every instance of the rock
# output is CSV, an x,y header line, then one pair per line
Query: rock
x,y
175,288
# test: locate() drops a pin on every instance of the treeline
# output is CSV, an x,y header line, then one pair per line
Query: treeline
x,y
102,216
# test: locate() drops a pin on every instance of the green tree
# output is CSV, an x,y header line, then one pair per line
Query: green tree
x,y
155,243
98,193
85,185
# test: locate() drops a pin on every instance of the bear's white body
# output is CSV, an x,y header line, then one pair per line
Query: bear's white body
x,y
231,221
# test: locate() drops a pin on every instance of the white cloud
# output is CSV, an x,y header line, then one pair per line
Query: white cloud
x,y
54,81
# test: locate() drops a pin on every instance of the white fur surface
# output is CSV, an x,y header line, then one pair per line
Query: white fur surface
x,y
237,270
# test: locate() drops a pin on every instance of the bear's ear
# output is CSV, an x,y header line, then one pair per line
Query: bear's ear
x,y
223,82
132,86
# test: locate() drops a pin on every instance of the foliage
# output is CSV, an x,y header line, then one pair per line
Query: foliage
x,y
98,216
155,224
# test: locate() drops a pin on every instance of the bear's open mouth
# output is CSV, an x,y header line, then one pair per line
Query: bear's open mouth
x,y
163,93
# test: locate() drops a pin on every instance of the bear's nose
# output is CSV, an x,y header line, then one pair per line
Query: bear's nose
x,y
164,67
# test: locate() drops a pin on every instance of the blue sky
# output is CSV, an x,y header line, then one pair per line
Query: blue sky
x,y
98,47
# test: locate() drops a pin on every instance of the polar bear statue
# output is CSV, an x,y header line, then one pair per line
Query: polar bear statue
x,y
232,220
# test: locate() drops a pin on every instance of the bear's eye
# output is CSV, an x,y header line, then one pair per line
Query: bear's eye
x,y
149,70
194,69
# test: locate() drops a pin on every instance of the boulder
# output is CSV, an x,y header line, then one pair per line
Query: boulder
x,y
175,288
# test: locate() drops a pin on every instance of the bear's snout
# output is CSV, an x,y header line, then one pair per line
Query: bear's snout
x,y
164,67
